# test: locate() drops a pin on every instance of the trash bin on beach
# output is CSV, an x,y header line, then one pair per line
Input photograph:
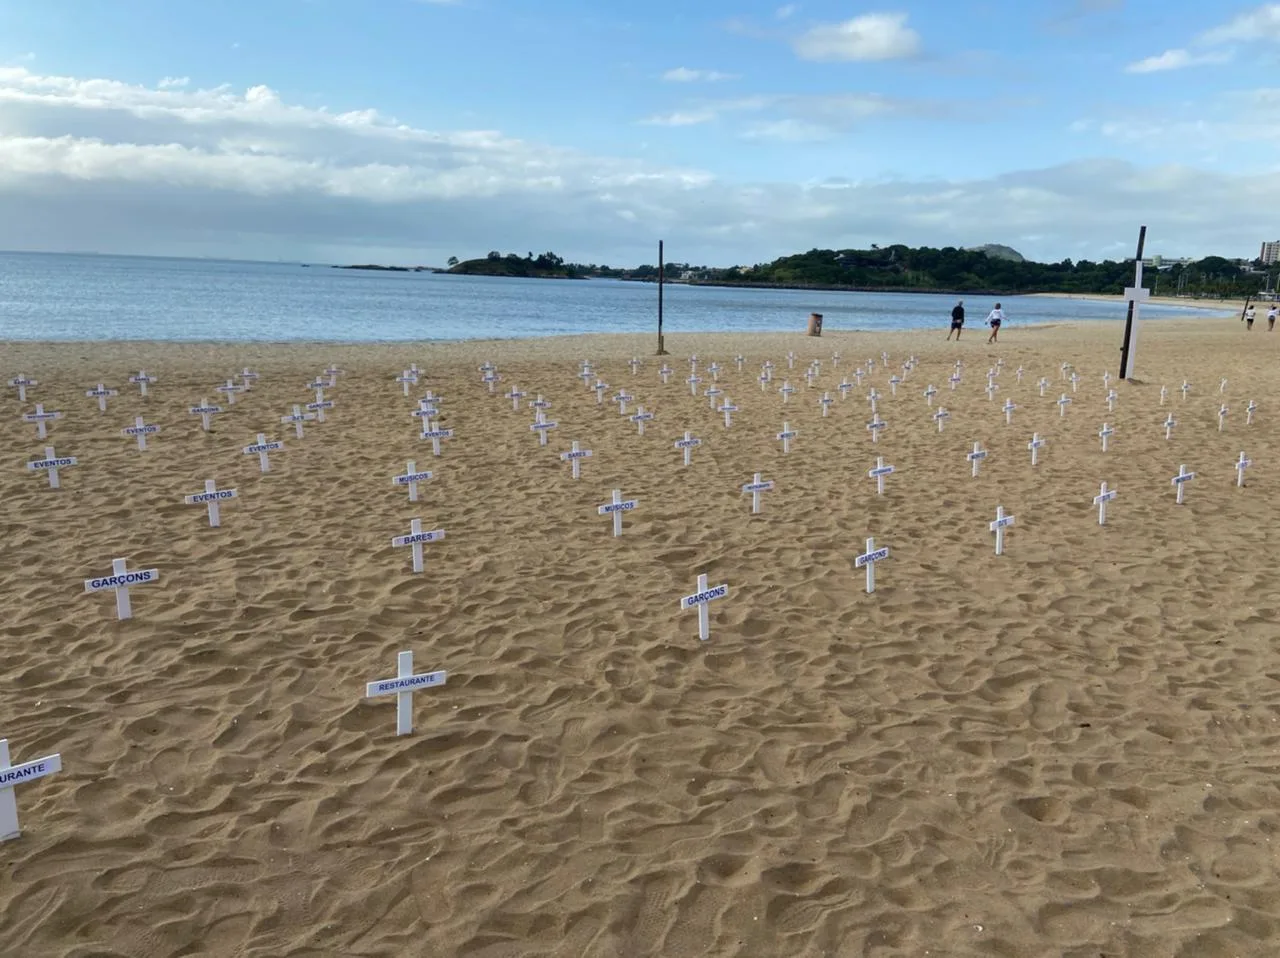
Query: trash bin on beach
x,y
815,324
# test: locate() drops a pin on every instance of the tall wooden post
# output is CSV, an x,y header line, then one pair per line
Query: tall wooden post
x,y
661,278
1126,368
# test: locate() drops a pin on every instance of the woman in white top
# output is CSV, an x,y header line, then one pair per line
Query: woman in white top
x,y
1271,319
994,320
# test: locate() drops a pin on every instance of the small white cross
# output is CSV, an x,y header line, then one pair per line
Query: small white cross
x,y
929,394
879,473
755,487
1105,433
22,384
297,419
1249,410
640,418
1180,481
1185,388
142,380
1101,500
1111,401
1241,465
1164,392
998,527
825,402
616,508
12,775
868,561
40,417
1169,423
1008,408
411,478
229,389
687,445
693,382
1063,403
261,448
415,539
205,412
786,389
101,393
1222,417
140,430
575,456
1043,384
635,365
786,436
728,408
515,395
1035,445
403,686
211,497
976,458
540,425
120,580
940,417
875,426
51,464
700,599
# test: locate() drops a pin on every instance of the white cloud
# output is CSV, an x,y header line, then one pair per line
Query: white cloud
x,y
686,75
101,164
1177,60
173,83
786,11
687,118
1260,25
873,36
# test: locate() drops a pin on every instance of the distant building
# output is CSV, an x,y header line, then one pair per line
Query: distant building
x,y
1270,253
1164,262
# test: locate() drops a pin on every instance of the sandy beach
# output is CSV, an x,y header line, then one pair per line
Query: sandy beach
x,y
1068,750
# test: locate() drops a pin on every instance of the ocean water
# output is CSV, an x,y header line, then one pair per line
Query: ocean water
x,y
48,296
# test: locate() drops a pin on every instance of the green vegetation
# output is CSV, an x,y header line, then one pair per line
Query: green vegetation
x,y
987,269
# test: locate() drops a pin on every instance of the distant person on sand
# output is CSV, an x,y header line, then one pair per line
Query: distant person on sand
x,y
957,320
1271,319
994,320
1248,319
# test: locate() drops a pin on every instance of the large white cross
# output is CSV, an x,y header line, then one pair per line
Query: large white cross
x,y
755,487
416,538
878,474
205,412
998,527
411,477
1181,480
868,560
101,393
616,508
40,417
12,775
140,430
120,581
211,497
1101,500
297,419
689,443
261,448
51,463
142,380
700,599
402,687
574,457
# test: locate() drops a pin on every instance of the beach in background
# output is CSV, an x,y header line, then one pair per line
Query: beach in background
x,y
1068,750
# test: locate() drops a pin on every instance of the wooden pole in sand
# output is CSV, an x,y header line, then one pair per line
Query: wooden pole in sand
x,y
661,280
1135,295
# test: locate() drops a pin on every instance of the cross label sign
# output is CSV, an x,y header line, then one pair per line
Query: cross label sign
x,y
998,527
435,434
40,417
402,687
297,419
515,396
22,384
260,449
142,380
869,560
1181,480
786,436
211,497
416,538
976,457
640,418
120,580
12,775
616,508
1101,500
699,600
878,474
141,430
1241,465
687,445
205,412
575,457
755,487
101,393
540,427
1035,446
411,477
940,417
51,463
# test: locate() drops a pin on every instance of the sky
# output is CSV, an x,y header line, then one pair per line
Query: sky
x,y
408,131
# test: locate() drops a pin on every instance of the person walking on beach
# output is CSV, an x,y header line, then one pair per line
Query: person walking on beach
x,y
957,320
994,319
1248,319
1271,319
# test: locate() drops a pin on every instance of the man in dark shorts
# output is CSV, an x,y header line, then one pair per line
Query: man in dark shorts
x,y
957,320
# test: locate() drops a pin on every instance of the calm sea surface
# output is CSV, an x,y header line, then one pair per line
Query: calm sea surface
x,y
49,296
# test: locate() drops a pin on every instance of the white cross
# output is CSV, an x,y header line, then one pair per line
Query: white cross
x,y
616,508
640,418
403,686
601,388
101,393
714,369
491,380
332,372
321,404
622,398
406,379
435,433
51,464
1075,381
894,382
1222,416
786,389
1066,368
635,365
763,380
1063,403
248,377
142,380
878,474
12,775
835,360
739,361
411,478
1111,401
873,397
40,417
22,384
1185,388
515,396
991,389
693,364
416,538
868,560
120,581
1169,423
1105,433
261,448
728,408
1222,386
297,419
688,444
755,487
929,394
791,360
701,598
875,426
940,417
976,458
665,373
786,436
229,389
1180,481
1106,379
1249,410
1241,465
844,388
575,456
711,394
1101,500
954,380
141,430
1008,408
1164,392
1035,445
1018,372
825,402
205,412
1043,384
810,376
211,497
693,382
586,374
425,410
998,527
